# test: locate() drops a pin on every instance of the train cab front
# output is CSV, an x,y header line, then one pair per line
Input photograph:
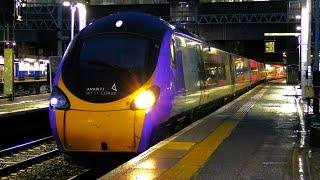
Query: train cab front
x,y
102,92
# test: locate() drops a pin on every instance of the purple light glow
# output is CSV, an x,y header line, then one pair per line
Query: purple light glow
x,y
162,78
53,127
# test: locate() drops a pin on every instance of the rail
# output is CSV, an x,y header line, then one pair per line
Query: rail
x,y
8,169
24,146
25,155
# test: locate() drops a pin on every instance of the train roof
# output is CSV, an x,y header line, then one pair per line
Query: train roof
x,y
131,22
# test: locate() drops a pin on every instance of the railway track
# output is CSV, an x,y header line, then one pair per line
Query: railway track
x,y
41,160
24,155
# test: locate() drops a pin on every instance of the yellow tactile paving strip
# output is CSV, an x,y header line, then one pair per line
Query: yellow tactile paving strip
x,y
192,155
178,145
199,154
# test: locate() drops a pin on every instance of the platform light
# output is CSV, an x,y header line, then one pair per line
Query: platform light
x,y
119,23
19,18
17,10
281,34
66,3
284,54
298,16
82,13
1,60
298,28
30,60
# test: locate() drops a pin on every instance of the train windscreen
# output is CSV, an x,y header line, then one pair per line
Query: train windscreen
x,y
108,67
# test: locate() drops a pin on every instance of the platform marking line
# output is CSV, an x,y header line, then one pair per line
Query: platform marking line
x,y
134,161
189,165
300,161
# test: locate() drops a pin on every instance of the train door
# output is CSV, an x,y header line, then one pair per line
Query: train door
x,y
191,67
250,72
203,75
232,70
228,73
178,79
238,66
191,63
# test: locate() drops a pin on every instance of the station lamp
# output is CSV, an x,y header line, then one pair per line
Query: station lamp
x,y
9,44
18,5
66,3
284,54
298,28
82,13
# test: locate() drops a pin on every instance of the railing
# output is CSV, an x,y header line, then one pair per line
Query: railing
x,y
43,16
230,18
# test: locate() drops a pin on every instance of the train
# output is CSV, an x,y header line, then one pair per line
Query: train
x,y
275,71
127,77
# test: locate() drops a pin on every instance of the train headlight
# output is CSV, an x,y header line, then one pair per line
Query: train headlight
x,y
58,99
146,99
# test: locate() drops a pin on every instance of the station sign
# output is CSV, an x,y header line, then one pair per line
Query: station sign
x,y
269,47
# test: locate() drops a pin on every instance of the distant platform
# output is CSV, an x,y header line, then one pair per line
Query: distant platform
x,y
24,104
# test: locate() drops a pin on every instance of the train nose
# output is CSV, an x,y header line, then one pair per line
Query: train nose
x,y
99,131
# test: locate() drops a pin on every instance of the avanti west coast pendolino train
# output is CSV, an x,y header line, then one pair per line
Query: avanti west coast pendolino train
x,y
128,75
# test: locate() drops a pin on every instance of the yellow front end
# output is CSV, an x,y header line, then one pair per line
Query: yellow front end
x,y
100,127
97,131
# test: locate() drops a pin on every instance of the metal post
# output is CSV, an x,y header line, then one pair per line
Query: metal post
x,y
72,11
8,73
8,33
305,45
82,14
315,69
50,76
59,27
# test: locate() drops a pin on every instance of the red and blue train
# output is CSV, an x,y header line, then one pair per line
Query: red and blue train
x,y
127,76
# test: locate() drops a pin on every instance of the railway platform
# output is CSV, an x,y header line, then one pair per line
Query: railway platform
x,y
260,135
24,104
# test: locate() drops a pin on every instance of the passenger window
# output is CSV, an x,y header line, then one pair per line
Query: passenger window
x,y
172,54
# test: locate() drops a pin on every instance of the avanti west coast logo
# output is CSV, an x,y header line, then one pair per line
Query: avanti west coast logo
x,y
102,91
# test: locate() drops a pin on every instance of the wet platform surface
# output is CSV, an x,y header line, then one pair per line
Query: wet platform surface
x,y
257,136
24,104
